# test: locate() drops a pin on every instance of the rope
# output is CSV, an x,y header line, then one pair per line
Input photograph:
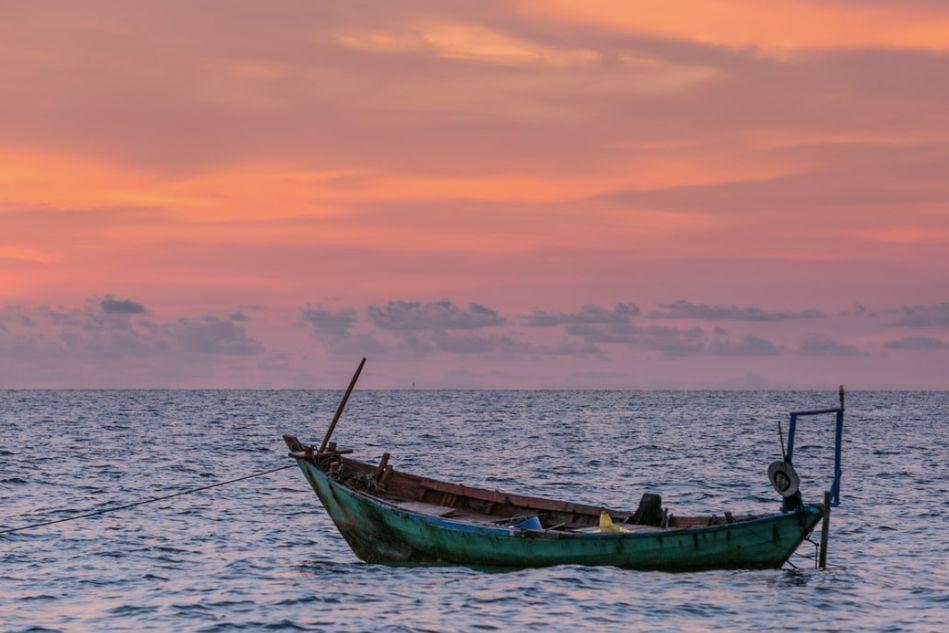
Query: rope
x,y
144,501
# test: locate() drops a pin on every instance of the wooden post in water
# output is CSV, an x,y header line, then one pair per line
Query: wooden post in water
x,y
824,533
342,405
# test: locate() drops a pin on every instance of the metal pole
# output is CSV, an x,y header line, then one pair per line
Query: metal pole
x,y
838,445
342,405
824,533
792,428
784,455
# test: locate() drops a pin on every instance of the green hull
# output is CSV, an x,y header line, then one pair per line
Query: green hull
x,y
379,532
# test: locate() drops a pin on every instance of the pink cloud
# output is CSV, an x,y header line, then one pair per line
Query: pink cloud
x,y
531,158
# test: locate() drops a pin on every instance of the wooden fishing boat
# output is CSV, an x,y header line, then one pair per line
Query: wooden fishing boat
x,y
393,517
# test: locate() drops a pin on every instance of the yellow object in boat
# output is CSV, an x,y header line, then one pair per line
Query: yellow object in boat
x,y
607,525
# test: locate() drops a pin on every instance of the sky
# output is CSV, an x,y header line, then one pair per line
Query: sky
x,y
525,194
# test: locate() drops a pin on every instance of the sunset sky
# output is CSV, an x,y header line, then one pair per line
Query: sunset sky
x,y
537,193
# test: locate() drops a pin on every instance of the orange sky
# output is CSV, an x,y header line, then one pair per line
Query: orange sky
x,y
222,166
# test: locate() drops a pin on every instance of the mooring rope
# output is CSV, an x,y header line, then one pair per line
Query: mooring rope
x,y
144,501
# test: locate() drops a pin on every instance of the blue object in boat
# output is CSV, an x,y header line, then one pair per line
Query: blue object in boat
x,y
532,524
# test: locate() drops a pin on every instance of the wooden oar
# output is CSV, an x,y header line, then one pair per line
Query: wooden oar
x,y
342,405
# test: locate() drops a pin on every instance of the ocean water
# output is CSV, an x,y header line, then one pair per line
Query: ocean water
x,y
262,555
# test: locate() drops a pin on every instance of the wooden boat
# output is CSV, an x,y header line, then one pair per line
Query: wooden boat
x,y
393,517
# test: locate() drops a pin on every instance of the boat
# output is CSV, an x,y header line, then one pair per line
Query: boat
x,y
392,517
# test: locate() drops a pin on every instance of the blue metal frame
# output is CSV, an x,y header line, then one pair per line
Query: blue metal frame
x,y
838,441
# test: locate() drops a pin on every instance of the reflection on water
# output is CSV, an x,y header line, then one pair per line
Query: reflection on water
x,y
262,553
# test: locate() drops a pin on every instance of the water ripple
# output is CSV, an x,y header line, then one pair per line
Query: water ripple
x,y
262,555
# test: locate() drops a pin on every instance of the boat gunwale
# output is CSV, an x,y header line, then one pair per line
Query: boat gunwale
x,y
489,530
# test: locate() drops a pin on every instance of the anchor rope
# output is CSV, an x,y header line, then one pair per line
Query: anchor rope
x,y
143,501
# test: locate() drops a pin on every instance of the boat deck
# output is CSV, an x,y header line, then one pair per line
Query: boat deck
x,y
432,497
445,512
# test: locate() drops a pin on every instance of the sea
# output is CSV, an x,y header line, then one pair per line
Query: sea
x,y
262,555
